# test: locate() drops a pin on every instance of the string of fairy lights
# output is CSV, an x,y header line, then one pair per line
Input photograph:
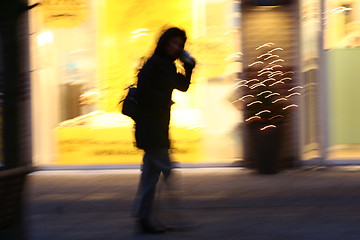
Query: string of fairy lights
x,y
267,97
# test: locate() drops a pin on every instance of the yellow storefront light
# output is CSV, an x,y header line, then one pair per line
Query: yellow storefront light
x,y
45,38
64,13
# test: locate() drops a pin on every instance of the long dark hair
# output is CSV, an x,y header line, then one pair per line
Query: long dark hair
x,y
166,36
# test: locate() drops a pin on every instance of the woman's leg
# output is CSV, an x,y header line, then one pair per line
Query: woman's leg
x,y
147,187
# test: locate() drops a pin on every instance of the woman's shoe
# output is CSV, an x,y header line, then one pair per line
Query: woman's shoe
x,y
145,226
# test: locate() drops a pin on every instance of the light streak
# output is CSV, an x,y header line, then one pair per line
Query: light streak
x,y
275,49
237,100
246,96
293,94
257,85
269,65
267,127
253,80
261,112
265,54
265,69
231,31
265,45
340,9
276,73
278,60
276,116
295,88
290,106
269,79
139,35
258,62
287,78
140,30
253,118
271,57
279,99
268,91
276,66
252,103
234,55
288,72
264,73
273,94
240,82
276,83
241,86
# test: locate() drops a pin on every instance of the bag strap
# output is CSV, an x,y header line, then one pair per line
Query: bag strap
x,y
127,88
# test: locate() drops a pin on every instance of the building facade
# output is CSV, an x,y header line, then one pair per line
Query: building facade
x,y
85,53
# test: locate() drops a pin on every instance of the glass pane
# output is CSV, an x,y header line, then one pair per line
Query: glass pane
x,y
342,41
310,29
85,56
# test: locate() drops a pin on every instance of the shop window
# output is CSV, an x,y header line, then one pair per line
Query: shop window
x,y
342,51
84,57
342,24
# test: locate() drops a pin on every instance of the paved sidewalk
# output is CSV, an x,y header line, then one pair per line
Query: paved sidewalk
x,y
222,203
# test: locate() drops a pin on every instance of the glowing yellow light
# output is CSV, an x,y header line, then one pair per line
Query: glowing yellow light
x,y
252,103
139,35
45,38
267,127
89,97
64,14
234,55
140,30
279,99
340,9
287,78
231,31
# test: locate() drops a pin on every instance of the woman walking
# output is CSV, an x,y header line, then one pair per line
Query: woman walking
x,y
156,81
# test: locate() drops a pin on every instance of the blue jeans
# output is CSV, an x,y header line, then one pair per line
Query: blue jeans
x,y
155,162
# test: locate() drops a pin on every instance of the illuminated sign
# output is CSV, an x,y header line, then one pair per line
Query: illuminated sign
x,y
64,13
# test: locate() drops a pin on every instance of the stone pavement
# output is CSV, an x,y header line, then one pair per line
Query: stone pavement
x,y
219,203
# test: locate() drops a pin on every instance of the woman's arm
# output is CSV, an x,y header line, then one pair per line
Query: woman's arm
x,y
183,81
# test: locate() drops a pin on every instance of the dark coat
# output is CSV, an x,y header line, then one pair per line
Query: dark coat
x,y
156,81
